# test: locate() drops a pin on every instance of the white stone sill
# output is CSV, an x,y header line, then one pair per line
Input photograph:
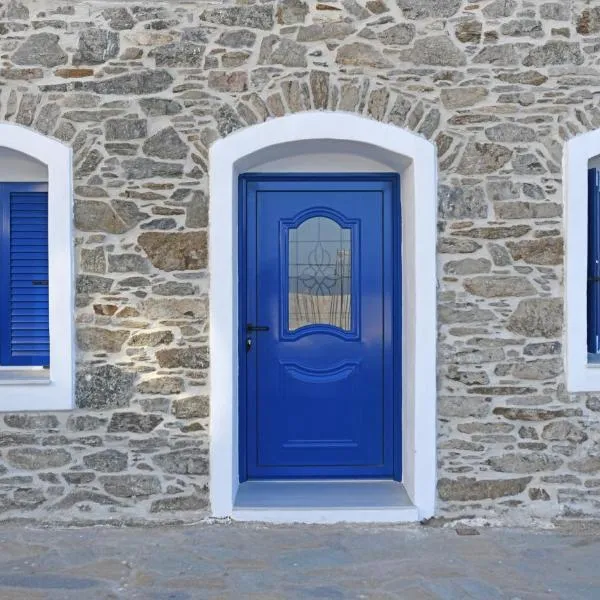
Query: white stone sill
x,y
24,377
593,361
324,501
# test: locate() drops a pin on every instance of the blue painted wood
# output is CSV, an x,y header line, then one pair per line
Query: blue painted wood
x,y
319,400
24,317
593,291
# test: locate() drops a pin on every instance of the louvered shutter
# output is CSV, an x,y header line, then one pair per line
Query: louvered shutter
x,y
593,291
25,339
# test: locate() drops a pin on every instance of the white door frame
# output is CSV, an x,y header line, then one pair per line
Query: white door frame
x,y
414,158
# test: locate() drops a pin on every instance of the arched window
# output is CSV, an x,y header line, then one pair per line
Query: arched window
x,y
36,274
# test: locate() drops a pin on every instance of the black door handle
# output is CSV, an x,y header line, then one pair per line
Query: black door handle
x,y
250,327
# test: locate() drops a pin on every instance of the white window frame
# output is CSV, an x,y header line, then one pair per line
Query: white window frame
x,y
581,375
55,392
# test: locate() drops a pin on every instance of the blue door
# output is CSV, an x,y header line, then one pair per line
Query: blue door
x,y
24,324
318,334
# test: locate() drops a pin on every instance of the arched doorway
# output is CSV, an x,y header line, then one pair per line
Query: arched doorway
x,y
332,142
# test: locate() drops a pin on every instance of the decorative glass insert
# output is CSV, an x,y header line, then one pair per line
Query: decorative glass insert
x,y
320,274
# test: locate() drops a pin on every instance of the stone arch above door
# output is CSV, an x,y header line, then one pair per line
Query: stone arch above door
x,y
414,158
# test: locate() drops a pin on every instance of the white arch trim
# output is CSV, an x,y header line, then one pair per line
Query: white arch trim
x,y
57,391
578,151
415,158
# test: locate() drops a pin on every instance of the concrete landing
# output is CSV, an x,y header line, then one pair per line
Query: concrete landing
x,y
265,562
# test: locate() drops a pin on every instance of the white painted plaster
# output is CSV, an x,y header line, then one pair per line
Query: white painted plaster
x,y
305,134
402,514
330,157
58,393
18,167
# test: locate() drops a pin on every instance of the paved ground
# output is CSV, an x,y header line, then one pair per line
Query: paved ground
x,y
267,562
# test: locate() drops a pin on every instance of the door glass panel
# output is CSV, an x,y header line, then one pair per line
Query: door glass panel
x,y
320,275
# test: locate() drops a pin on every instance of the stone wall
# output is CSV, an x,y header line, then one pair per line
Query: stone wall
x,y
140,90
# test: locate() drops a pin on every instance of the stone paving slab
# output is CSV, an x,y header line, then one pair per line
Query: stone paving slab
x,y
254,561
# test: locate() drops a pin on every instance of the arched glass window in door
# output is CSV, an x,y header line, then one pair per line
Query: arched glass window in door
x,y
320,274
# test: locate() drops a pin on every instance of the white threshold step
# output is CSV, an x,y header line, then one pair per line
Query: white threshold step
x,y
324,501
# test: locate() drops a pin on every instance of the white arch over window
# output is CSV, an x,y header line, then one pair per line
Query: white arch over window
x,y
301,136
578,156
55,393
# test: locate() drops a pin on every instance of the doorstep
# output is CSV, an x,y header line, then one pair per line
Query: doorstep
x,y
324,501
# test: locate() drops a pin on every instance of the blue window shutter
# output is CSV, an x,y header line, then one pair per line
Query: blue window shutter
x,y
25,339
593,291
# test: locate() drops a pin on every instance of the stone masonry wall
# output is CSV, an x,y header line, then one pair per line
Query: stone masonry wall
x,y
140,90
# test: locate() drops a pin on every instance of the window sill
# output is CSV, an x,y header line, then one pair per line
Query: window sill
x,y
24,377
